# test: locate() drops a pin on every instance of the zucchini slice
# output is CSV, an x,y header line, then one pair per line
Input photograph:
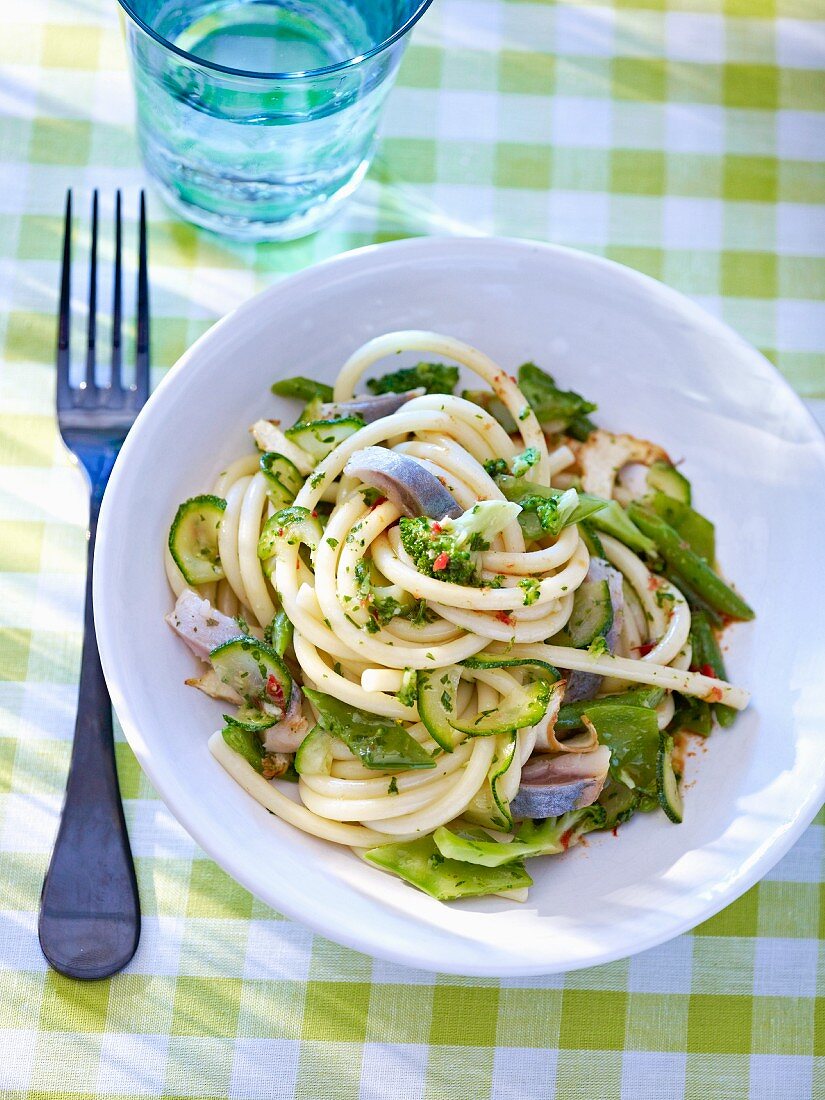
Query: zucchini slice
x,y
193,539
668,480
667,785
592,613
283,478
250,719
293,525
489,807
320,437
314,755
255,671
437,693
525,707
498,660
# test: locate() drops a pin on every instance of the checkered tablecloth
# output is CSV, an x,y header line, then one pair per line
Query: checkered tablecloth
x,y
684,138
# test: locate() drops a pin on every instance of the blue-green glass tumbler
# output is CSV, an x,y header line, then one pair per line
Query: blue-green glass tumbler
x,y
257,118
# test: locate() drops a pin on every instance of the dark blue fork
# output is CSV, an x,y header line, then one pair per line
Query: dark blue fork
x,y
89,910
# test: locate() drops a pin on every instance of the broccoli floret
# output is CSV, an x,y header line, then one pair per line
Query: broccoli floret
x,y
449,550
434,377
437,553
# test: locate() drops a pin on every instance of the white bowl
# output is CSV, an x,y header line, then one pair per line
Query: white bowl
x,y
658,367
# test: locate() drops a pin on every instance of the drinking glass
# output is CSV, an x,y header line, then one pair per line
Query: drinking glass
x,y
257,118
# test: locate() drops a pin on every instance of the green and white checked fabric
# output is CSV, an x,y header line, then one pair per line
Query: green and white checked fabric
x,y
686,139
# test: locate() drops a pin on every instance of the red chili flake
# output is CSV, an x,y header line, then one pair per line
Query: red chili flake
x,y
314,513
615,830
275,691
281,531
714,695
646,648
378,502
653,583
437,528
504,617
441,562
707,670
564,839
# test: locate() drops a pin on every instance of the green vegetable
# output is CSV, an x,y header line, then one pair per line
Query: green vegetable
x,y
547,511
282,477
432,377
437,702
516,467
592,614
492,404
619,803
295,525
699,574
613,520
570,715
420,863
670,797
693,716
558,409
255,671
320,437
706,652
525,706
494,660
590,538
193,539
279,633
695,602
246,744
250,719
448,550
304,389
377,742
534,838
632,735
489,807
314,755
697,531
667,479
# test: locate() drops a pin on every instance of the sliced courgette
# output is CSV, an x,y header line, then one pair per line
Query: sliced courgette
x,y
314,755
193,539
668,480
667,785
255,671
283,478
293,525
250,719
437,694
524,707
495,660
320,437
592,614
489,807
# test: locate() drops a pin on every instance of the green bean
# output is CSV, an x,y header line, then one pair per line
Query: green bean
x,y
697,572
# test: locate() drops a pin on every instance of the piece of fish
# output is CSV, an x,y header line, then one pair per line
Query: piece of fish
x,y
404,481
554,785
369,409
196,621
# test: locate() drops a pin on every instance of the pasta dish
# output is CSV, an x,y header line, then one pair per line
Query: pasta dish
x,y
453,633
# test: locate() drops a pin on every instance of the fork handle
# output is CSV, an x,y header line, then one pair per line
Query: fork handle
x,y
89,922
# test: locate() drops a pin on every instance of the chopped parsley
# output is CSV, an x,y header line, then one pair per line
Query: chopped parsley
x,y
530,587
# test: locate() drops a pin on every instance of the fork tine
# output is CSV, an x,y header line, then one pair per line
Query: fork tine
x,y
90,389
142,342
116,383
64,397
